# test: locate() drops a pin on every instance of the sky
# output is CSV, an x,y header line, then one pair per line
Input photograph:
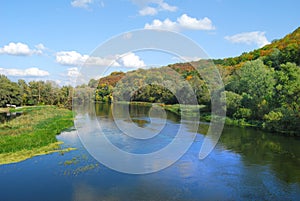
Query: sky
x,y
51,40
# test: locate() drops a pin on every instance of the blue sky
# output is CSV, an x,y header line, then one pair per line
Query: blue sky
x,y
49,40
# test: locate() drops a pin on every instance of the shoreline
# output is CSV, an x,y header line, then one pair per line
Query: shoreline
x,y
206,117
19,156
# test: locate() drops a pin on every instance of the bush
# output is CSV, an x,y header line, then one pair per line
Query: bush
x,y
283,120
242,113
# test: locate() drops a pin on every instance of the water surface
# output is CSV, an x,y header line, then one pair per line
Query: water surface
x,y
246,165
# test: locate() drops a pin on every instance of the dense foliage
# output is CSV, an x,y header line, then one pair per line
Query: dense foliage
x,y
262,86
34,93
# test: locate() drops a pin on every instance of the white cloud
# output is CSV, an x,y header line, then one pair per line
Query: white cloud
x,y
255,37
70,58
152,7
183,22
73,58
40,46
73,72
164,6
131,60
99,61
187,22
148,11
20,49
81,3
167,24
29,72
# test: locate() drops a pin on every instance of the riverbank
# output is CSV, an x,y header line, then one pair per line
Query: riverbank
x,y
206,117
33,133
242,123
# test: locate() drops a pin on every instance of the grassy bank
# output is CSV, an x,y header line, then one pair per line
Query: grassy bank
x,y
33,133
206,117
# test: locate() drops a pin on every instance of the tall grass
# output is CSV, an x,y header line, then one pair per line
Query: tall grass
x,y
36,128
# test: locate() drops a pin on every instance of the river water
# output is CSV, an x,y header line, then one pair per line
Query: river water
x,y
246,164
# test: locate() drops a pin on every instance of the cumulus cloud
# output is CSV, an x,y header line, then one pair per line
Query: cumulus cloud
x,y
183,22
187,22
148,11
164,6
73,58
21,49
167,24
81,3
29,72
40,46
131,60
73,72
99,61
152,7
70,58
256,37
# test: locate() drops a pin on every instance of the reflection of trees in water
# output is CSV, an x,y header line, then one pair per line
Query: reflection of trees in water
x,y
281,153
136,110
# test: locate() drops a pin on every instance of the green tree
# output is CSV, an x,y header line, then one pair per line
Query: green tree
x,y
256,81
233,102
10,92
287,87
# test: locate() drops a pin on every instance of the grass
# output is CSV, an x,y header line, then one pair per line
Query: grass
x,y
14,157
33,133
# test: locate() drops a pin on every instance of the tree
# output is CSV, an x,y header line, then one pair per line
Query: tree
x,y
10,92
233,102
256,81
25,90
287,87
93,83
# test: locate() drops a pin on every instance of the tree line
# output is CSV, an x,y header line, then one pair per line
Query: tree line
x,y
21,93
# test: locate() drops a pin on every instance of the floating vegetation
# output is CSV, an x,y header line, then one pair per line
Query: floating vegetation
x,y
73,161
80,170
14,157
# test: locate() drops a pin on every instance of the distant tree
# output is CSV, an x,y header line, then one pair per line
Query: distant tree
x,y
10,92
93,83
25,90
103,93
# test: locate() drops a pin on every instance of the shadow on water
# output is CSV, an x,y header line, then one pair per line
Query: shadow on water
x,y
281,153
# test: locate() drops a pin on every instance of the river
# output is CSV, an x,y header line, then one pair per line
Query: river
x,y
246,164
